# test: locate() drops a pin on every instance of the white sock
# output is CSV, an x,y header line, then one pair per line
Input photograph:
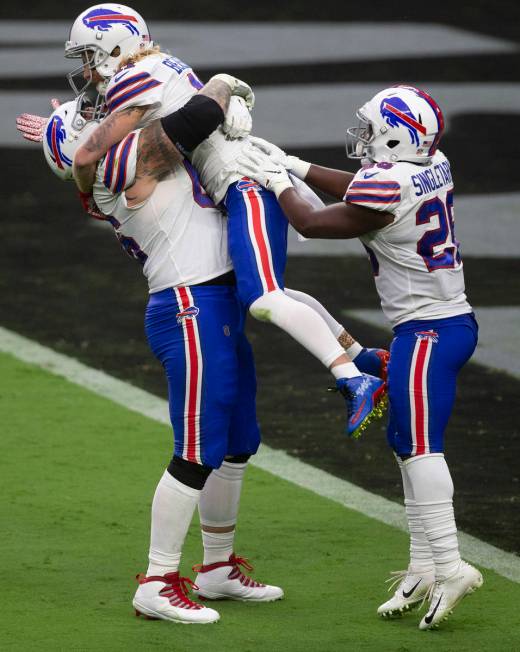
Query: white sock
x,y
218,507
218,546
354,350
300,321
220,498
345,370
432,488
313,303
172,510
421,559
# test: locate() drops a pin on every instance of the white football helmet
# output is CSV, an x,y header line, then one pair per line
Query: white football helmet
x,y
102,36
401,123
67,128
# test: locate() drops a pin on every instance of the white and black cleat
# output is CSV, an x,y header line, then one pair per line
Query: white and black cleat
x,y
445,595
411,590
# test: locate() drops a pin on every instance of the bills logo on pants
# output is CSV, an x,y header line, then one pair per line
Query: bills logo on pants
x,y
189,313
425,358
197,335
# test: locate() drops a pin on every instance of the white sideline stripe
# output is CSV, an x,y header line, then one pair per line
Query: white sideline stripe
x,y
275,462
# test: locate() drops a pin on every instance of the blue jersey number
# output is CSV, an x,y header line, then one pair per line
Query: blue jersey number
x,y
373,259
129,244
176,64
442,238
132,248
199,194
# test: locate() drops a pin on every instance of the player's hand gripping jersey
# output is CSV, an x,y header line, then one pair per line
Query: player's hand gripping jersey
x,y
165,84
416,259
177,234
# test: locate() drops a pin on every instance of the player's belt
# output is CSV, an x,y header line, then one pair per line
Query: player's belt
x,y
228,278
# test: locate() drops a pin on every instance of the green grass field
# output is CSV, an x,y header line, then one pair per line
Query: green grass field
x,y
77,474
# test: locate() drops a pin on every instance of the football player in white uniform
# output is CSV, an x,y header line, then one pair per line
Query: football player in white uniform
x,y
400,204
194,324
141,84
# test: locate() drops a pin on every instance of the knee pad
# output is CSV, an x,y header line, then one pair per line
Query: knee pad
x,y
191,474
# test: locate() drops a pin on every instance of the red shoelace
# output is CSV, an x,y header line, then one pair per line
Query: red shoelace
x,y
236,574
176,589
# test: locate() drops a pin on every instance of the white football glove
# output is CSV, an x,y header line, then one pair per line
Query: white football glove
x,y
292,163
238,87
32,126
256,165
238,122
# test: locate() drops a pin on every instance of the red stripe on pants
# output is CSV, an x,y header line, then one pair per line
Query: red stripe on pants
x,y
260,240
191,433
419,397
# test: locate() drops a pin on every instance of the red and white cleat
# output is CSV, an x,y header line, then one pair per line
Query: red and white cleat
x,y
224,580
166,598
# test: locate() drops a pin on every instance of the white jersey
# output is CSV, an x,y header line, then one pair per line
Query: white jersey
x,y
177,234
416,260
165,84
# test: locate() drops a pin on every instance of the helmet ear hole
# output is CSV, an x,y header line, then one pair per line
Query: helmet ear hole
x,y
392,143
116,51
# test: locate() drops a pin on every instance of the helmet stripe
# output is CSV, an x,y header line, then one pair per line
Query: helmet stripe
x,y
55,148
440,119
111,17
405,118
438,115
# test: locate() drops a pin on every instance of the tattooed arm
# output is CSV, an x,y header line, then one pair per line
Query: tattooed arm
x,y
157,156
219,91
111,130
119,124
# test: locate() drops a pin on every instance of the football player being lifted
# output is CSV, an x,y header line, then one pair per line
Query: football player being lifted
x,y
141,84
400,204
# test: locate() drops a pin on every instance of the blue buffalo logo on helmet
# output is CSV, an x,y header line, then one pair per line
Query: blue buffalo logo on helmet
x,y
188,313
105,19
396,112
55,136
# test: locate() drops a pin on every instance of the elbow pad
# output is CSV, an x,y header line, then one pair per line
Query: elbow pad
x,y
193,123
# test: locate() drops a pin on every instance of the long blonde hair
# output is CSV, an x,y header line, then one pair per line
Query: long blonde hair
x,y
133,58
